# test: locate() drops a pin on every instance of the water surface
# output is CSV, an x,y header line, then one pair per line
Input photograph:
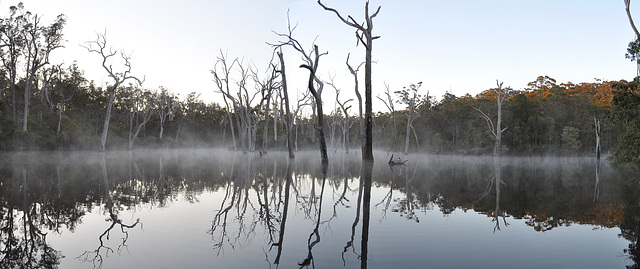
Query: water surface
x,y
220,209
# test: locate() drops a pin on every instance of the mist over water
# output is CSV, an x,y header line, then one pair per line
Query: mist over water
x,y
203,208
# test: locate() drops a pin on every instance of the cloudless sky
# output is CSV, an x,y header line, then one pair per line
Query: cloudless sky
x,y
451,46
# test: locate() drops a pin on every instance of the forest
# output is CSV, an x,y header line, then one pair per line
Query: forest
x,y
53,106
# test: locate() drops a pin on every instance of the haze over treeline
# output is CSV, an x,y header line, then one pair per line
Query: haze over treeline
x,y
53,106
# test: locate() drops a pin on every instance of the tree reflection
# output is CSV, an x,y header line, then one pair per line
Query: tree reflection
x,y
349,244
285,211
315,234
96,257
22,240
367,168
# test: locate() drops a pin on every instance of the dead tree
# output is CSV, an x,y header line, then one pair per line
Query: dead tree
x,y
389,104
99,46
286,104
221,73
354,72
311,60
266,89
496,131
366,37
345,110
596,122
312,66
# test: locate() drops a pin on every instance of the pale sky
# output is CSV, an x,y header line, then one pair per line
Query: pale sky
x,y
457,46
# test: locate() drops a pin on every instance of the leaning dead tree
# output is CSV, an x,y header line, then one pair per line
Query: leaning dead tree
x,y
496,131
312,66
364,33
99,46
311,60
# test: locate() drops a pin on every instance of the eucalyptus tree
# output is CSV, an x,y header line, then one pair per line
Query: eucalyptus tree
x,y
410,97
11,46
68,83
496,130
364,33
633,51
165,106
99,46
139,111
39,42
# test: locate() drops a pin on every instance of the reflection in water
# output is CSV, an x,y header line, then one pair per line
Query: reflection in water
x,y
285,211
96,257
367,168
276,210
24,243
315,234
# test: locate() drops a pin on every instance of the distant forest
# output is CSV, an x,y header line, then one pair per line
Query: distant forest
x,y
48,106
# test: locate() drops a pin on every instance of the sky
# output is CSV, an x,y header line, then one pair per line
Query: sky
x,y
458,47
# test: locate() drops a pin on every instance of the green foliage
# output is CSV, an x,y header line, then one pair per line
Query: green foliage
x,y
626,113
633,51
571,140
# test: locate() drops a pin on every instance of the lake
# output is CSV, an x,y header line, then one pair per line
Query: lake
x,y
220,209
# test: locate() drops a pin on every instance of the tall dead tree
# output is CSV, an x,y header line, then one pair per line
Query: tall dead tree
x,y
496,131
99,46
311,60
364,33
286,104
312,66
221,74
354,72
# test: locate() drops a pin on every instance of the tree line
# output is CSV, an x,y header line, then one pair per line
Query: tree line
x,y
48,106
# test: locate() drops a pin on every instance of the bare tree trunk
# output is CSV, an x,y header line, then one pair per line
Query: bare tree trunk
x,y
365,35
407,138
99,46
286,101
354,72
497,132
265,133
317,95
597,128
233,135
635,30
107,118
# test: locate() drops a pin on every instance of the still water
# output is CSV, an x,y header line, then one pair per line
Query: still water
x,y
220,209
